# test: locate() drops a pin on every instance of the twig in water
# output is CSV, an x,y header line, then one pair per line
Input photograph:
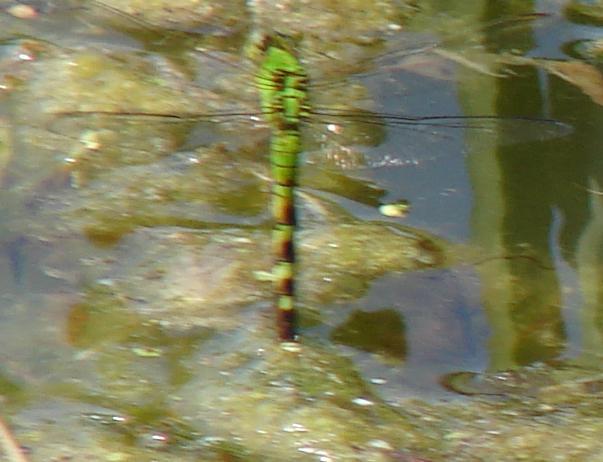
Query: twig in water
x,y
9,445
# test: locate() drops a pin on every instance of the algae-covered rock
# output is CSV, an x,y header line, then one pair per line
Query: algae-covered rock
x,y
183,15
287,403
589,12
206,277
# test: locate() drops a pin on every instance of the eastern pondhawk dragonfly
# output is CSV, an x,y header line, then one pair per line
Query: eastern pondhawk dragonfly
x,y
286,87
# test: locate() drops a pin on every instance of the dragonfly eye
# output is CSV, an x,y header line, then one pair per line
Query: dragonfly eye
x,y
258,44
264,42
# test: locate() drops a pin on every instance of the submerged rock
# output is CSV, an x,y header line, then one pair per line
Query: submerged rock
x,y
206,278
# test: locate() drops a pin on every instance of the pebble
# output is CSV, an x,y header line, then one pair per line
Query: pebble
x,y
22,11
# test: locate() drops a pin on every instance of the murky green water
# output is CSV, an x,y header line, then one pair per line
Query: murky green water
x,y
132,325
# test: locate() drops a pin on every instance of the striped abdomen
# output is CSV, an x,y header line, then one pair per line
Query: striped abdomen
x,y
282,84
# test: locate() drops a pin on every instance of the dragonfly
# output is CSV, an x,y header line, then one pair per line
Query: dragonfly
x,y
285,102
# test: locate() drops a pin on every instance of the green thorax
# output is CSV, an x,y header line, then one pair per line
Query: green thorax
x,y
282,83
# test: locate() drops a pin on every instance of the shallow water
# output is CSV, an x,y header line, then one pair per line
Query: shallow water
x,y
128,255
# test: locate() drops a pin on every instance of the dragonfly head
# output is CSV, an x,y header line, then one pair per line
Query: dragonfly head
x,y
261,42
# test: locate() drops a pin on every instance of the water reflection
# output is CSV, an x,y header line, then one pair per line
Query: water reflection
x,y
536,199
536,216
